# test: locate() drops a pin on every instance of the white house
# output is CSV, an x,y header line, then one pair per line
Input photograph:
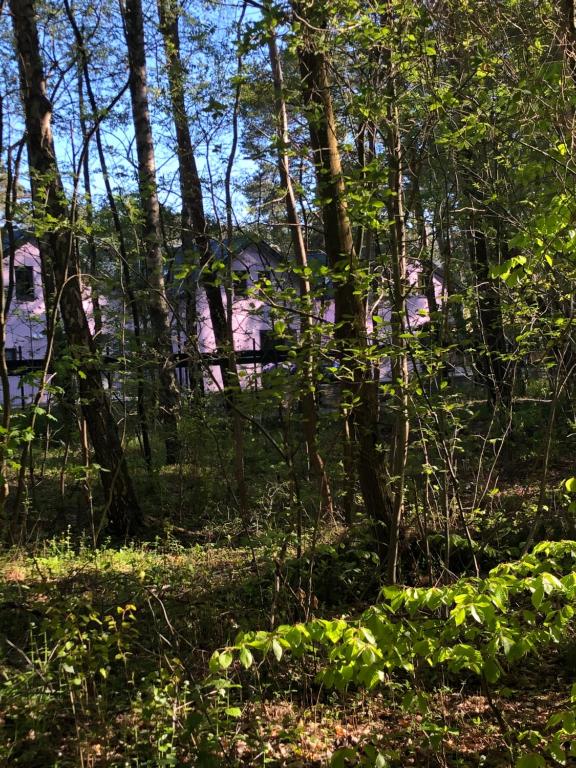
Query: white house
x,y
261,277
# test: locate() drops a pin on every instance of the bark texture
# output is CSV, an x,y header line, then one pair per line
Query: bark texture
x,y
194,234
493,345
169,396
350,312
57,253
307,400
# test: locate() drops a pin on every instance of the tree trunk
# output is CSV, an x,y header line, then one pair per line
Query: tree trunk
x,y
194,235
56,249
124,264
307,401
492,339
169,396
400,375
234,389
94,289
350,315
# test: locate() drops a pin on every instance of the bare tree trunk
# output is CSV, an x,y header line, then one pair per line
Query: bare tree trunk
x,y
5,382
426,262
169,397
400,374
492,339
307,401
237,424
194,234
124,264
568,34
350,315
94,289
56,249
5,298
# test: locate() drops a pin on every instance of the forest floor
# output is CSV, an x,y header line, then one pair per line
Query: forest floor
x,y
102,649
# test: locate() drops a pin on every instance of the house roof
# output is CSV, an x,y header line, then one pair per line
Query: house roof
x,y
239,244
21,236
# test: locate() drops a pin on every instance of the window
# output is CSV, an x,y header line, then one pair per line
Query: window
x,y
268,341
268,347
24,283
11,353
240,283
422,283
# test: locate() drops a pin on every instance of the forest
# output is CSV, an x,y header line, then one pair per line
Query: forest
x,y
287,383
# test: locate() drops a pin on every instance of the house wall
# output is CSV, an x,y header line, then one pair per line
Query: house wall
x,y
379,333
25,329
253,317
26,324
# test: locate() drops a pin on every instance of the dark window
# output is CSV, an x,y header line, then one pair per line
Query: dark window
x,y
268,341
241,283
268,347
24,283
422,283
11,353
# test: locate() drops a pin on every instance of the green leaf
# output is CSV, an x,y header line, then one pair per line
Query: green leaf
x,y
225,659
557,752
459,615
531,760
341,755
277,649
538,596
491,670
233,711
570,485
246,657
474,613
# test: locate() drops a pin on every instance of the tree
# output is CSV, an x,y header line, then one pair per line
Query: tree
x,y
63,289
157,302
308,404
358,386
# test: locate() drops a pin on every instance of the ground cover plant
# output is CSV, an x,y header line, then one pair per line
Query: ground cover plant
x,y
147,655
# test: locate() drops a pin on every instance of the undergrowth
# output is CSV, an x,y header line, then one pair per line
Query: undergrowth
x,y
148,656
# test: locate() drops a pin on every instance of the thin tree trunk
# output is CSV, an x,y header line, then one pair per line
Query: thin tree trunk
x,y
194,230
350,316
307,400
56,249
169,397
124,263
4,307
400,374
234,389
5,381
426,261
492,339
94,290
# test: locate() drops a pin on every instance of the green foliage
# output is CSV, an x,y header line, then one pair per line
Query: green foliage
x,y
481,627
476,625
